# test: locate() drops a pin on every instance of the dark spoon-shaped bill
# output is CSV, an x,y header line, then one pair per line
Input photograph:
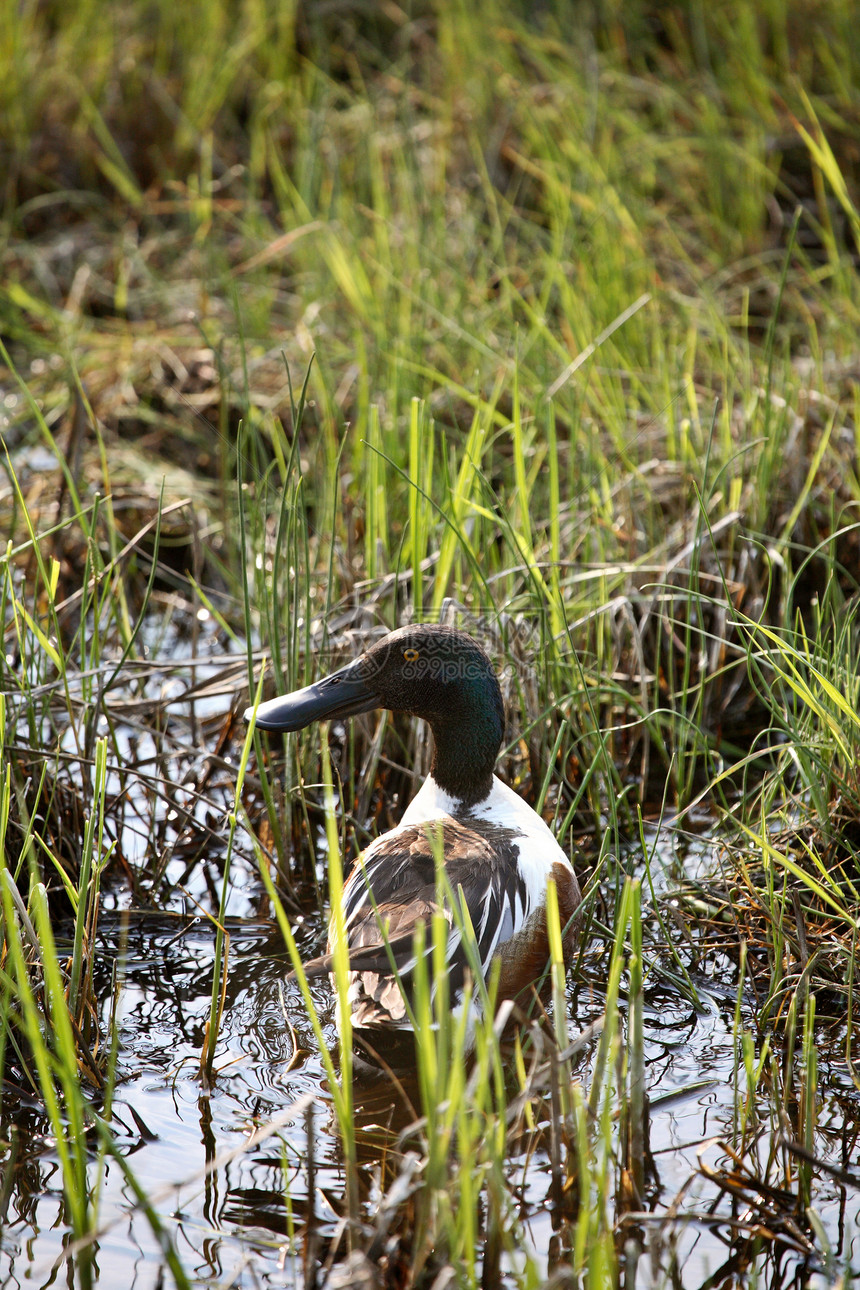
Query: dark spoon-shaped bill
x,y
343,694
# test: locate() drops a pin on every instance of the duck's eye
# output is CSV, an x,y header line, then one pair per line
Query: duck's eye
x,y
410,655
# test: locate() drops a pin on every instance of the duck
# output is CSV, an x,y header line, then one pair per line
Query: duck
x,y
498,854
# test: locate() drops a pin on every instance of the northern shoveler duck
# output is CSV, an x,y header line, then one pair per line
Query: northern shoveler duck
x,y
495,847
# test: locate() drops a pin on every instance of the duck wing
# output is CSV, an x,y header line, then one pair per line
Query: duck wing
x,y
393,888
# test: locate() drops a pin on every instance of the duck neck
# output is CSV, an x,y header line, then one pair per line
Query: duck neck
x,y
466,744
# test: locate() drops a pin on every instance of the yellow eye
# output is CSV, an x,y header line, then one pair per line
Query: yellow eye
x,y
410,655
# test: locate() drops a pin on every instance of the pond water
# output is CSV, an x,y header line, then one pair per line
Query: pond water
x,y
231,1225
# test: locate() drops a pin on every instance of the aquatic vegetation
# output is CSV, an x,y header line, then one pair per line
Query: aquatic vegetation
x,y
316,322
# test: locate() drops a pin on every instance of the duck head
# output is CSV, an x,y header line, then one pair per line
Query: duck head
x,y
434,672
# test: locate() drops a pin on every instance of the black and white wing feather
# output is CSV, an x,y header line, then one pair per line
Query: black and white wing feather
x,y
394,887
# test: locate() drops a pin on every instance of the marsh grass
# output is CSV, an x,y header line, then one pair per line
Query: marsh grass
x,y
543,327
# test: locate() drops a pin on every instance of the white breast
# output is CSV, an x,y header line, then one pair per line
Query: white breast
x,y
538,849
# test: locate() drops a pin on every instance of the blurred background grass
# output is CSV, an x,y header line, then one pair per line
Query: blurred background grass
x,y
429,198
